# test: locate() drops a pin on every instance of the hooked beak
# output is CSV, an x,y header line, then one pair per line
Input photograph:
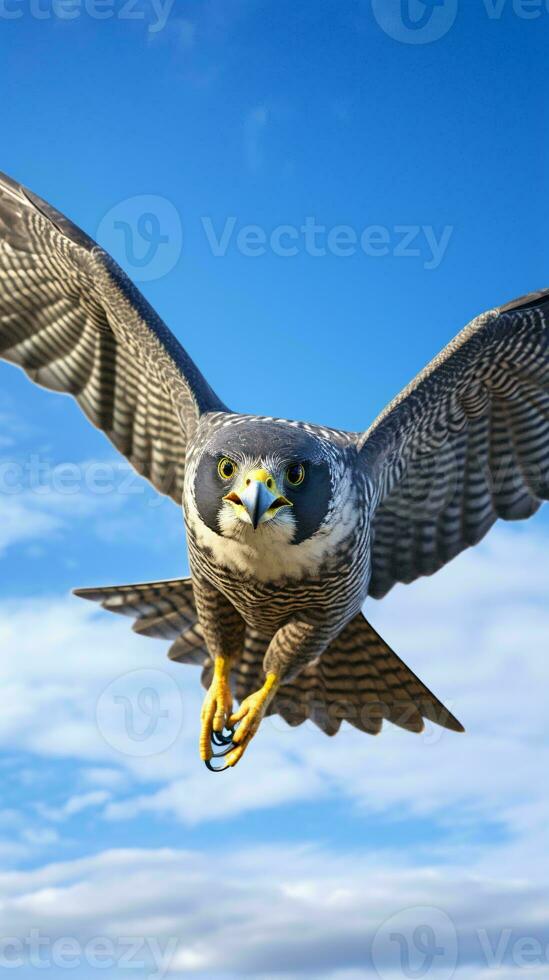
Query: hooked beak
x,y
260,498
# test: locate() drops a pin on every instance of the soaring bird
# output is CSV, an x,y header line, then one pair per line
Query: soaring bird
x,y
290,526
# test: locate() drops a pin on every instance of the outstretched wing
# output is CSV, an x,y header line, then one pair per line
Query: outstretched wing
x,y
465,443
71,318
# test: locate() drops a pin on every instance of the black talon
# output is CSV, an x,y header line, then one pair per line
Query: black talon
x,y
219,738
209,766
226,750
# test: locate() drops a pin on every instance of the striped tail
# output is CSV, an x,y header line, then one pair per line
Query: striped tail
x,y
160,609
361,680
358,678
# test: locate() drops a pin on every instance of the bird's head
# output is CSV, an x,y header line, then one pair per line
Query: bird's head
x,y
260,476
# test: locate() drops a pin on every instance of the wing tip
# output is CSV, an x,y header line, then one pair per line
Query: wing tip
x,y
31,200
537,298
91,594
444,718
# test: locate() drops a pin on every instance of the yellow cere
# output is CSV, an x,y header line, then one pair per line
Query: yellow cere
x,y
262,476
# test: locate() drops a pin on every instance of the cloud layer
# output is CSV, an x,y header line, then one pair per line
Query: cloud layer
x,y
74,682
274,911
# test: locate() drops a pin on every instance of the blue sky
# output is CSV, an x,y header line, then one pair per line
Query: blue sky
x,y
315,206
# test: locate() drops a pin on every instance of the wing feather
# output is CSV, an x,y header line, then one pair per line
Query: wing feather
x,y
71,318
466,443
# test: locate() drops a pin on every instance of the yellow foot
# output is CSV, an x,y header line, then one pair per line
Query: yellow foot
x,y
216,708
249,717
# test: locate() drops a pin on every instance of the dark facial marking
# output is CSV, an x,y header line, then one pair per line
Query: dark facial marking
x,y
261,440
210,490
310,499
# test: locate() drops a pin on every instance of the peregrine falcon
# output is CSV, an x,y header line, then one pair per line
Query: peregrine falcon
x,y
290,526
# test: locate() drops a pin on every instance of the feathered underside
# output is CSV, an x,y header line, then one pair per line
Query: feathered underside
x,y
71,318
358,679
465,443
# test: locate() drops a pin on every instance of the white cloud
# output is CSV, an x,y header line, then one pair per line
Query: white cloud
x,y
40,836
40,500
13,427
289,911
62,655
102,776
75,804
19,522
271,779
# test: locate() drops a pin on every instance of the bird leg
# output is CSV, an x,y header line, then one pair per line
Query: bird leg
x,y
249,716
216,709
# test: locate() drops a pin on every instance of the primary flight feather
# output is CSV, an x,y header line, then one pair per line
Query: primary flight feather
x,y
290,525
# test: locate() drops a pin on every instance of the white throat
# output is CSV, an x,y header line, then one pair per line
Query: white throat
x,y
268,553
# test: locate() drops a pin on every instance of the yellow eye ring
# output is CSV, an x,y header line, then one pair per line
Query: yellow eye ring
x,y
226,468
295,474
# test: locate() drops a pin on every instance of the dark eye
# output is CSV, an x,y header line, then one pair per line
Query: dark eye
x,y
226,468
295,474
